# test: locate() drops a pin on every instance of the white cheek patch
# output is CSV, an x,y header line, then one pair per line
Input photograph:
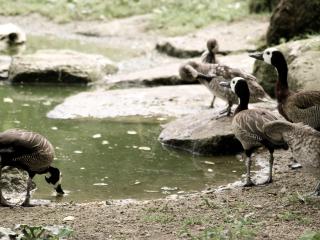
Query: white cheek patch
x,y
267,57
233,83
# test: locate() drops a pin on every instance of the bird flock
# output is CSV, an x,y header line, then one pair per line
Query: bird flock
x,y
298,131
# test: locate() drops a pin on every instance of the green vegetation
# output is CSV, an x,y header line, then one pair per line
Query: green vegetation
x,y
43,233
169,16
162,218
309,235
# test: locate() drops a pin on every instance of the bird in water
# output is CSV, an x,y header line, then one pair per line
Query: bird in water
x,y
303,141
31,152
302,106
247,126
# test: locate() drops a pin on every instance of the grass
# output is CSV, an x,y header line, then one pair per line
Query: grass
x,y
172,17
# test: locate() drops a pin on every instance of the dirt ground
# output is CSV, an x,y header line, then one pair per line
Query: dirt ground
x,y
274,211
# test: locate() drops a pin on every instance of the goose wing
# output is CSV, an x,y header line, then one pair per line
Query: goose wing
x,y
304,107
248,126
24,142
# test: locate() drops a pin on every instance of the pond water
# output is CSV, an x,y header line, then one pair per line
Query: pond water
x,y
109,159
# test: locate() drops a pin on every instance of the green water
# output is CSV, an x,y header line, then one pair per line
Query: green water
x,y
114,160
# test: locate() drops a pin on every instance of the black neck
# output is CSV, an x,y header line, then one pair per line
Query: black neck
x,y
244,101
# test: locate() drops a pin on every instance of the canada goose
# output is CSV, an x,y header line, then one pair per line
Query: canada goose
x,y
303,141
31,152
210,75
247,126
209,56
303,106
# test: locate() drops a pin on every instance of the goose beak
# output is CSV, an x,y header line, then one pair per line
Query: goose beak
x,y
257,55
225,84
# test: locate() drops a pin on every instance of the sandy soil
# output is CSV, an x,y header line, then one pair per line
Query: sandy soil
x,y
263,212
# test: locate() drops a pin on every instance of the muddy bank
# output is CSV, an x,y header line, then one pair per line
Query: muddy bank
x,y
264,212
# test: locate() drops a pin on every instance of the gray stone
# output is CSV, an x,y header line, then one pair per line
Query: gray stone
x,y
201,133
167,101
236,36
303,58
59,66
5,62
14,180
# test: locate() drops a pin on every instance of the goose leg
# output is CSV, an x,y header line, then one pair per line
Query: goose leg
x,y
212,102
271,159
26,202
225,112
317,190
248,182
3,201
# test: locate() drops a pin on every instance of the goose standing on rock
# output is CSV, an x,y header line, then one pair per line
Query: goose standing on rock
x,y
31,152
209,56
247,126
303,106
303,141
210,75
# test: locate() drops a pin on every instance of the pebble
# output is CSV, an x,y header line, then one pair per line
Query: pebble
x,y
69,218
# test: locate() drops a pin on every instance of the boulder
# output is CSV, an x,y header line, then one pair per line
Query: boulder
x,y
5,62
236,36
202,134
59,66
167,101
293,18
303,58
14,180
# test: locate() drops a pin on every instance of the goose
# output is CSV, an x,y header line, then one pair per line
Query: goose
x,y
303,106
210,75
209,56
31,152
247,126
303,141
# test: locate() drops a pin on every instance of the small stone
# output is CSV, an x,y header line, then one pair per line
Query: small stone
x,y
98,135
145,148
8,100
69,218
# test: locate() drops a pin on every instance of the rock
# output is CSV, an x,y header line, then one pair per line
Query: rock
x,y
162,75
156,101
293,18
5,62
235,36
303,59
12,39
59,66
14,180
259,6
68,218
201,133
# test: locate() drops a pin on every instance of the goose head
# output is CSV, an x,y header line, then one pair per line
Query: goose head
x,y
239,86
55,178
212,45
271,56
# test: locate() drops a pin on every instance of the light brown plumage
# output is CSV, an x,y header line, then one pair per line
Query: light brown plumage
x,y
303,141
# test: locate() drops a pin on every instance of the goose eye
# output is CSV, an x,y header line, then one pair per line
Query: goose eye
x,y
268,53
233,82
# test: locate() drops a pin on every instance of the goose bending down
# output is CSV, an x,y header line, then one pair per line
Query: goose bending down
x,y
31,152
210,75
303,106
303,141
247,126
209,56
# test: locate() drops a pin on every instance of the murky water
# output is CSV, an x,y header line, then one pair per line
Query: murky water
x,y
108,159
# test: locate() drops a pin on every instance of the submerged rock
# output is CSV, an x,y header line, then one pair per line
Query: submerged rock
x,y
14,180
59,66
235,36
303,58
157,101
201,133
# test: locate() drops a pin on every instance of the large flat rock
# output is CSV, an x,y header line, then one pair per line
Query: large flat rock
x,y
59,66
172,101
201,133
232,37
